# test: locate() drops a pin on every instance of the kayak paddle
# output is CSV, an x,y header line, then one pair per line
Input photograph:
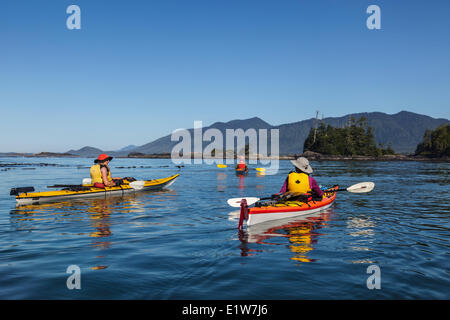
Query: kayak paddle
x,y
225,166
362,187
236,202
65,186
137,185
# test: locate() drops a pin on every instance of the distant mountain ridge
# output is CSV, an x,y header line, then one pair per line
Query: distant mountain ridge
x,y
403,130
127,148
165,145
86,152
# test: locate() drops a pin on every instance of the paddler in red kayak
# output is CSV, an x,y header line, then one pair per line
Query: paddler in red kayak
x,y
100,173
300,179
242,166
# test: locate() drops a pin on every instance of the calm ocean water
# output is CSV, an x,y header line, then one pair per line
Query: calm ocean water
x,y
183,243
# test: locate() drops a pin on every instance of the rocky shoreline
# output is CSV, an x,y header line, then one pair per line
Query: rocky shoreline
x,y
311,156
308,154
389,157
148,156
51,155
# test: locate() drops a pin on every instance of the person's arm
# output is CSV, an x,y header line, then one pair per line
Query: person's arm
x,y
284,187
106,182
314,186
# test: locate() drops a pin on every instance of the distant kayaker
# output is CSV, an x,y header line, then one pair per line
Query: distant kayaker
x,y
300,179
100,173
242,165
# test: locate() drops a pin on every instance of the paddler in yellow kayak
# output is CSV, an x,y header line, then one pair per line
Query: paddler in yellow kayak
x,y
300,181
100,173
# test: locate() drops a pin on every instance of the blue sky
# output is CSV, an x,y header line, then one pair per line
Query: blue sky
x,y
137,70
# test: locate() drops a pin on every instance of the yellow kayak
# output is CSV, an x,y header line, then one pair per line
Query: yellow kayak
x,y
28,196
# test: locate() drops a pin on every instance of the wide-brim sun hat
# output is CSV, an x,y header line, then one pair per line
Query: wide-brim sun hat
x,y
303,164
103,157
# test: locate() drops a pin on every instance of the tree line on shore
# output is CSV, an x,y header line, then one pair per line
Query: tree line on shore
x,y
357,138
435,143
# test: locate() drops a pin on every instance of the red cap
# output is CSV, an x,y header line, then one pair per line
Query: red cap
x,y
103,157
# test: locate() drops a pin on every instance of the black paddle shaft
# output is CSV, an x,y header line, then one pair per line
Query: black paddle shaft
x,y
65,186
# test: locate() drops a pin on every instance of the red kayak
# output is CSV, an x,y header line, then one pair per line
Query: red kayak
x,y
242,171
285,209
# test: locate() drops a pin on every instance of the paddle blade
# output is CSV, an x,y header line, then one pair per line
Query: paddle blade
x,y
137,185
86,181
261,169
361,187
221,165
236,202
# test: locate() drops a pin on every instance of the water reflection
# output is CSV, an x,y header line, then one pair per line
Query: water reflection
x,y
25,217
361,226
362,230
221,181
99,212
301,232
69,209
241,182
260,183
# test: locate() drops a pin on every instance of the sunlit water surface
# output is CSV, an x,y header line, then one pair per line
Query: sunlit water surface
x,y
183,243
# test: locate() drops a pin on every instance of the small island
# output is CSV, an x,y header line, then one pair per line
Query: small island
x,y
357,142
51,155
